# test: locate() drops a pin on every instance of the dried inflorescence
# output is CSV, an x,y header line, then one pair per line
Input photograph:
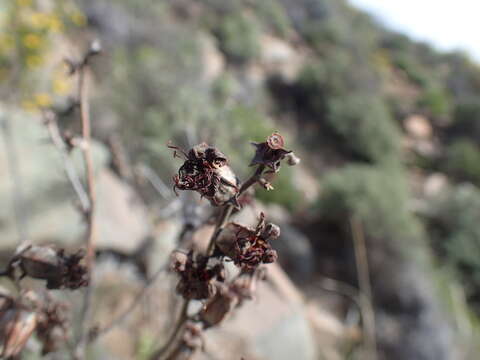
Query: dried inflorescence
x,y
197,275
46,263
270,153
52,325
17,324
206,171
229,296
21,317
248,248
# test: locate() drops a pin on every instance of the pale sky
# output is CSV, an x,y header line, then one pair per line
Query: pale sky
x,y
446,24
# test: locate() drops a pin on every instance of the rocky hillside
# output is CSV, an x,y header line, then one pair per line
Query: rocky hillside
x,y
388,130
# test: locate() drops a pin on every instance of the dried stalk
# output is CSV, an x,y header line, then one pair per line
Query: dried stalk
x,y
363,274
90,214
68,166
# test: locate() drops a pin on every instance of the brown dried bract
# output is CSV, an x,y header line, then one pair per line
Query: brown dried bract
x,y
205,170
248,248
46,263
52,326
196,275
270,152
229,296
17,324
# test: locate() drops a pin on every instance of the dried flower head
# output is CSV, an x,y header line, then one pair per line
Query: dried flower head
x,y
219,306
196,275
230,296
271,152
248,248
206,171
17,323
58,269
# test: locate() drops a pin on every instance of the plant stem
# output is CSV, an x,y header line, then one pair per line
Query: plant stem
x,y
180,323
90,214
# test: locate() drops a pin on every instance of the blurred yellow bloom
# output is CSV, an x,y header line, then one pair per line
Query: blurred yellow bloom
x,y
24,2
54,24
78,18
33,61
6,42
61,86
42,99
32,41
37,19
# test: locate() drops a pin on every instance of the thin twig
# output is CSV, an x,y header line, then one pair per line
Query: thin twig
x,y
180,323
68,166
363,274
90,214
157,183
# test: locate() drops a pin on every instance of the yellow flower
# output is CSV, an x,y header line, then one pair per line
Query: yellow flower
x,y
33,61
42,100
37,20
32,41
61,86
78,18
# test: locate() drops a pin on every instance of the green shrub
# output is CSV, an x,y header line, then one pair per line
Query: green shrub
x,y
414,71
463,160
376,195
454,227
466,120
273,15
238,37
436,101
365,126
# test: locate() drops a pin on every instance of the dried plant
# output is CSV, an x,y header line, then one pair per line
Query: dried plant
x,y
202,276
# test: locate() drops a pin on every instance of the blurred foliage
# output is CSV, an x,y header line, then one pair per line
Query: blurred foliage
x,y
365,126
435,101
463,160
466,120
375,195
238,37
454,224
273,16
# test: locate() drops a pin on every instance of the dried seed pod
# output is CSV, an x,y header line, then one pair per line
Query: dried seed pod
x,y
219,306
17,323
58,269
248,248
197,276
270,152
205,170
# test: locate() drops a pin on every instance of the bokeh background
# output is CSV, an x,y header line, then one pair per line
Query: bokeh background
x,y
387,128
